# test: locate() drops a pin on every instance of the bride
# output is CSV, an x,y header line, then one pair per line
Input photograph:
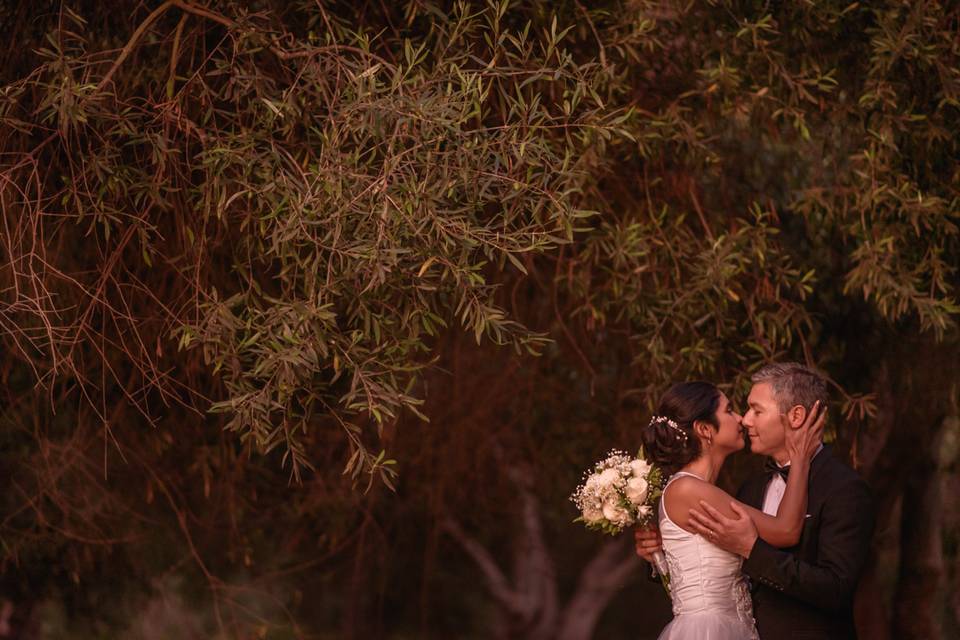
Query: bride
x,y
693,431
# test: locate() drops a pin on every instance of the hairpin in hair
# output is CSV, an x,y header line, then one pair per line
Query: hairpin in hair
x,y
670,423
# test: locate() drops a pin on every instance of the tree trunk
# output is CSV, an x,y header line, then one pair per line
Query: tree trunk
x,y
906,454
876,465
600,581
528,604
919,599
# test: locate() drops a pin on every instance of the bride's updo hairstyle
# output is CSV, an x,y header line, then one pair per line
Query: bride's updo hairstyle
x,y
669,440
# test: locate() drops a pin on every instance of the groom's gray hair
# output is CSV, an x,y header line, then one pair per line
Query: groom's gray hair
x,y
793,384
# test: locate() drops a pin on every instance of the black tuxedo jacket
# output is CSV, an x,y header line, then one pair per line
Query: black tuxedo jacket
x,y
807,591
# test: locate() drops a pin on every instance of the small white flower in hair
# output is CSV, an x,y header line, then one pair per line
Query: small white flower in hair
x,y
670,423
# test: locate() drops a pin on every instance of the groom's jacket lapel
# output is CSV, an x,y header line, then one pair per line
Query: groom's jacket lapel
x,y
823,459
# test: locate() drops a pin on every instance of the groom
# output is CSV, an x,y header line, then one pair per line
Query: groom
x,y
805,591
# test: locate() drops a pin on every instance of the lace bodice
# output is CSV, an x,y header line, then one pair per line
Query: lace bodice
x,y
703,577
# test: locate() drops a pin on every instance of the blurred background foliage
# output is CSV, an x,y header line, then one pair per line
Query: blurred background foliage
x,y
313,312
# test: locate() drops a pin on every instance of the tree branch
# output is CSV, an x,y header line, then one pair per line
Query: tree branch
x,y
174,54
496,581
600,580
275,50
131,43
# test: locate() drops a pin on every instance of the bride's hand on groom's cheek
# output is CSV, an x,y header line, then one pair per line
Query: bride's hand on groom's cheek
x,y
804,431
736,535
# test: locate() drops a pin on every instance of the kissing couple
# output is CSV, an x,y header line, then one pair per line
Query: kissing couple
x,y
781,559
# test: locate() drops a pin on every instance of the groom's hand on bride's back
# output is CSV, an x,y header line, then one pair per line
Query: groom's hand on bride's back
x,y
736,535
648,542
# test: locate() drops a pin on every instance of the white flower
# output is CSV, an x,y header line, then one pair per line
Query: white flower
x,y
644,511
592,513
616,514
639,468
636,490
610,478
593,484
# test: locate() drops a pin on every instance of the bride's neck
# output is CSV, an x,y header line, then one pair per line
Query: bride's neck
x,y
707,466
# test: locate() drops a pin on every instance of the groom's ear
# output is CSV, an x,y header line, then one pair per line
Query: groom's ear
x,y
796,415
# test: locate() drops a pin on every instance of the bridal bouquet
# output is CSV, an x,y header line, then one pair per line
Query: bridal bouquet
x,y
620,492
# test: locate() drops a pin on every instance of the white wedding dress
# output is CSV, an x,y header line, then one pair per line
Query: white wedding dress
x,y
711,599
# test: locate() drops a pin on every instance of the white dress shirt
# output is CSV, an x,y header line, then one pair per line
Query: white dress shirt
x,y
776,488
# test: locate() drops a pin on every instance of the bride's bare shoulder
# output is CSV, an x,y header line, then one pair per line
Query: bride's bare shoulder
x,y
686,487
686,492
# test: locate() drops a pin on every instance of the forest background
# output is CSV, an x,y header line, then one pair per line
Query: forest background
x,y
313,312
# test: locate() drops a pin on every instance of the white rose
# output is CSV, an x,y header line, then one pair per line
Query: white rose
x,y
616,514
639,468
610,477
636,490
592,485
592,513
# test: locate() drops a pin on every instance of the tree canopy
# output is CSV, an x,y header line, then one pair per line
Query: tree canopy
x,y
252,247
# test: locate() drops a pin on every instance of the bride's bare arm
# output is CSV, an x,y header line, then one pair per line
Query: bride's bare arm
x,y
782,530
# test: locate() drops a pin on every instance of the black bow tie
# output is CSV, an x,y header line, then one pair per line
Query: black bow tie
x,y
771,467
